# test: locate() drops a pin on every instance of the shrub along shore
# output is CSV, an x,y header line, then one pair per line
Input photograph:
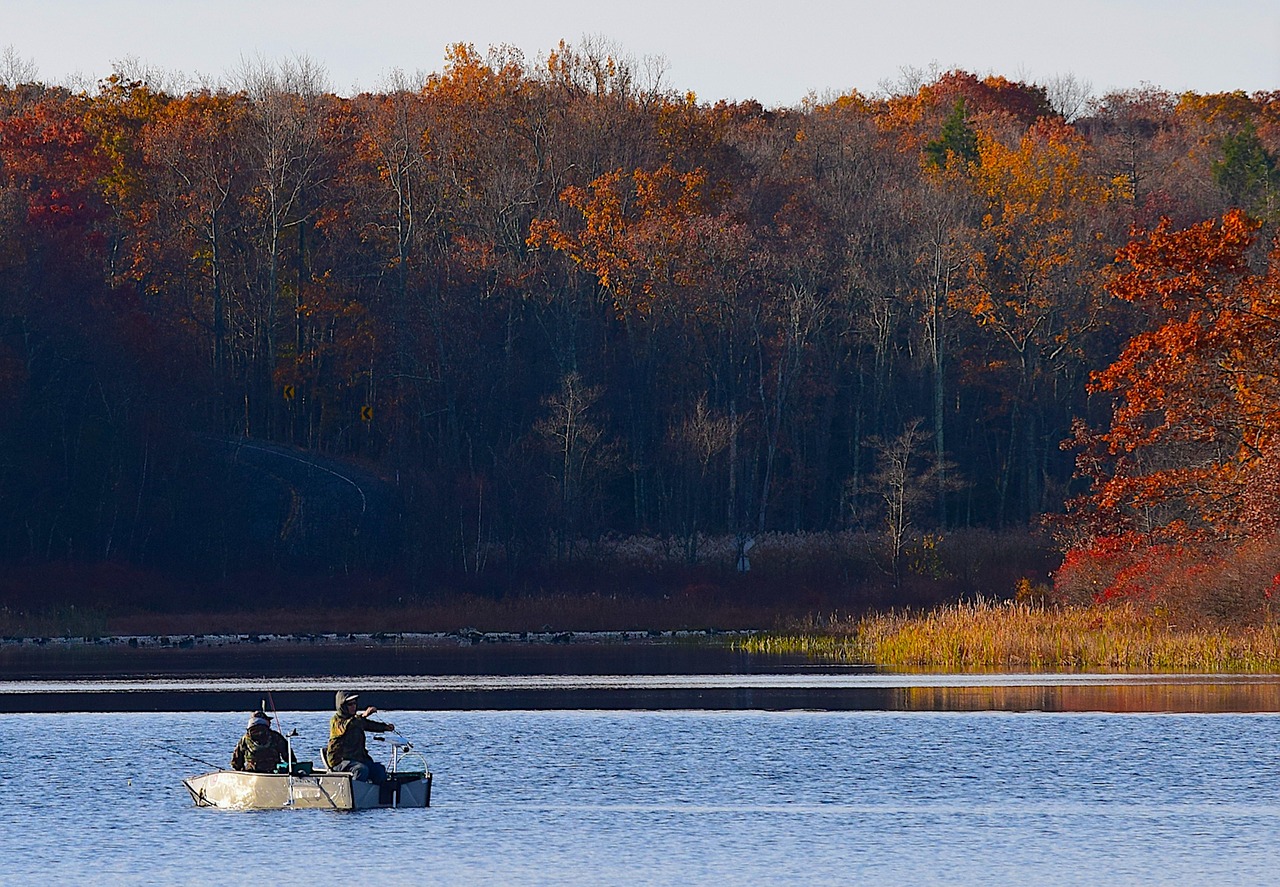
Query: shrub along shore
x,y
1020,636
984,635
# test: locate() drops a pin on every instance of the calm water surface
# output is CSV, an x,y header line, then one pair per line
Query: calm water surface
x,y
663,797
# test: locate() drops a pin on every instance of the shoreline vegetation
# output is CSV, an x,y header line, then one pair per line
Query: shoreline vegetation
x,y
985,635
631,583
982,635
950,611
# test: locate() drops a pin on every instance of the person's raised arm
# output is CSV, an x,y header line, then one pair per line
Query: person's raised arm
x,y
374,726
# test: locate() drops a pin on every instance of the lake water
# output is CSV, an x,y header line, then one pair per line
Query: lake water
x,y
671,797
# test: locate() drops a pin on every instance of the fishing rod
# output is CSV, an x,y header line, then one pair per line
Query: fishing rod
x,y
405,743
400,751
290,760
182,754
275,714
288,737
288,747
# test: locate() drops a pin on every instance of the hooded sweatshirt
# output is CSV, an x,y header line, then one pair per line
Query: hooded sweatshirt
x,y
346,737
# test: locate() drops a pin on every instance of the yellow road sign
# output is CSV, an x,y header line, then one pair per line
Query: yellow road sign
x,y
366,413
289,392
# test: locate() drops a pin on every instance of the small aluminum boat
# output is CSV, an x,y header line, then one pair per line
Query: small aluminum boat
x,y
300,787
324,789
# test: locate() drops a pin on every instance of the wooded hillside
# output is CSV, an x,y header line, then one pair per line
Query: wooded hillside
x,y
541,304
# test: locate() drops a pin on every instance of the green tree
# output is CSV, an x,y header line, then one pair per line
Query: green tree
x,y
1247,171
957,139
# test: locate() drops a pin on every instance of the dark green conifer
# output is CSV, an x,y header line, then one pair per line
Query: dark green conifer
x,y
1247,172
957,137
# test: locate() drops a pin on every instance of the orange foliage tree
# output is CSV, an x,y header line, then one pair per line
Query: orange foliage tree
x,y
644,236
1033,275
1197,409
1191,460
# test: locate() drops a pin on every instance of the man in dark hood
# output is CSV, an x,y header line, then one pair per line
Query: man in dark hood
x,y
260,749
346,749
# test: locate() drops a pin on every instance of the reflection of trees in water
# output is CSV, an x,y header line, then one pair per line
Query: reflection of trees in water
x,y
1172,695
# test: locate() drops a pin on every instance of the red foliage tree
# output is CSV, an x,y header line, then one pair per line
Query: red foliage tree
x,y
1197,395
1192,454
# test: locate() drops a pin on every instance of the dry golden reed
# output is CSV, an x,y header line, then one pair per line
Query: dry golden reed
x,y
999,636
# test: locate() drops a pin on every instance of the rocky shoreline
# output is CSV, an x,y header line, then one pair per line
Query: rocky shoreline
x,y
463,637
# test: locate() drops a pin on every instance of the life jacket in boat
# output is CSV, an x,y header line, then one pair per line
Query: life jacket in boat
x,y
262,756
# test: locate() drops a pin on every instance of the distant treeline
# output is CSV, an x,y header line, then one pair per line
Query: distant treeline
x,y
541,305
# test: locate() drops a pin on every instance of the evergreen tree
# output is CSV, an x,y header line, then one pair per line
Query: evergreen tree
x,y
1247,172
957,137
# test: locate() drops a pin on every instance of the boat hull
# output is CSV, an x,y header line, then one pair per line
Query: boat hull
x,y
324,790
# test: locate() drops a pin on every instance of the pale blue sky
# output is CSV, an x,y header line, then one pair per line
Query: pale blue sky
x,y
776,52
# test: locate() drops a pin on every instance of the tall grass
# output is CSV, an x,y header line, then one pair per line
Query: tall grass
x,y
994,636
57,622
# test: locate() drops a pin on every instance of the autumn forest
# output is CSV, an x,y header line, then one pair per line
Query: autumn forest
x,y
543,325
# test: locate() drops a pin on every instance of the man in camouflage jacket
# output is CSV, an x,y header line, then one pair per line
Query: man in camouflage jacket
x,y
260,749
346,749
